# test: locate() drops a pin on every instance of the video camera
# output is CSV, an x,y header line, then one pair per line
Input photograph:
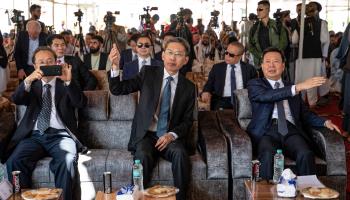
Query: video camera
x,y
146,18
17,17
214,19
278,14
79,14
109,19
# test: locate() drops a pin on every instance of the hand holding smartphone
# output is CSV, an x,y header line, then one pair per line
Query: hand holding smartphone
x,y
51,70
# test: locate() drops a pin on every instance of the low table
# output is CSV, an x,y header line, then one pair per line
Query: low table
x,y
264,191
102,196
19,197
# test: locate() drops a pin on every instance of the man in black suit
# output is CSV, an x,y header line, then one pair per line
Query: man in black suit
x,y
48,126
81,75
164,114
96,60
222,80
165,37
143,48
129,55
280,116
25,46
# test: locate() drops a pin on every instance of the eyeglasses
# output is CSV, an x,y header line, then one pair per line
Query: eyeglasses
x,y
259,9
169,52
140,45
231,54
45,62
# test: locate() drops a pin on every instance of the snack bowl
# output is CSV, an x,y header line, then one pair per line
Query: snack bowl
x,y
319,193
161,192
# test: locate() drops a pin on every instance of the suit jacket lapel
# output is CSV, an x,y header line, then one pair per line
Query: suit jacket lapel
x,y
157,85
222,72
58,91
179,89
244,74
37,89
26,44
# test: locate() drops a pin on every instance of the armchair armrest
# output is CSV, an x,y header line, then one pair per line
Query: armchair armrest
x,y
240,146
212,146
332,149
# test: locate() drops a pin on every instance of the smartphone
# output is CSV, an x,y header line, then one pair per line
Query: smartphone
x,y
51,70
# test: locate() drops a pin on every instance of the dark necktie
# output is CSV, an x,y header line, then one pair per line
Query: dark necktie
x,y
164,109
233,84
282,122
134,57
45,113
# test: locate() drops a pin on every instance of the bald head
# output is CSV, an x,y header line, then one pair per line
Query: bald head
x,y
33,28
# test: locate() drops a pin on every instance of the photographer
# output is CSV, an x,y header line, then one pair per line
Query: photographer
x,y
35,12
118,31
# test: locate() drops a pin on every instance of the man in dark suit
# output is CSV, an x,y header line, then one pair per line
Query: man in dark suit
x,y
26,44
96,60
165,37
164,114
143,48
280,117
129,55
48,126
225,77
81,75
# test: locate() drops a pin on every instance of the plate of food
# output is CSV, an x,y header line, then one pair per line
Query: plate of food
x,y
41,194
161,191
319,193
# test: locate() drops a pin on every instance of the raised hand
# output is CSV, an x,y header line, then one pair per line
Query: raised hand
x,y
114,57
36,75
66,72
310,83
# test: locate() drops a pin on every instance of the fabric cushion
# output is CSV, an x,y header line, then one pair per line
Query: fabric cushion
x,y
122,107
243,108
97,106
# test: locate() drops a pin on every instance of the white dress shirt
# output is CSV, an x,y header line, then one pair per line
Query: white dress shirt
x,y
55,120
33,45
287,111
238,78
148,62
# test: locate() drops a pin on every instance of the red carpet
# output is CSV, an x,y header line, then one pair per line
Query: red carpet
x,y
332,112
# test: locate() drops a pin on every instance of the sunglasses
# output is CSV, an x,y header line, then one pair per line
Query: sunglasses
x,y
259,9
231,54
140,45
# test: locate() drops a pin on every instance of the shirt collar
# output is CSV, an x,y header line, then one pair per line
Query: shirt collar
x,y
175,77
52,82
148,59
272,82
238,65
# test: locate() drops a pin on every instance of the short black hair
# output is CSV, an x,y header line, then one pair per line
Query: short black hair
x,y
67,32
43,48
264,2
169,33
239,45
98,37
144,35
273,49
133,37
50,39
90,34
181,41
34,7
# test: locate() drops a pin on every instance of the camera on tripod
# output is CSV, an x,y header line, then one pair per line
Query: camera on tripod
x,y
17,17
146,18
109,19
278,14
214,19
79,14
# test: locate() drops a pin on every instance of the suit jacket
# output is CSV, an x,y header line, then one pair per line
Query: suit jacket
x,y
83,78
101,65
125,57
132,68
22,48
149,83
216,80
67,99
3,54
263,98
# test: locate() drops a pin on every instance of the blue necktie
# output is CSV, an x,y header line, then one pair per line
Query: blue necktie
x,y
164,110
134,57
233,84
282,122
45,113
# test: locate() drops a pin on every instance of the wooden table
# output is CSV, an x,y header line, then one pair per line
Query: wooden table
x,y
264,191
102,196
19,197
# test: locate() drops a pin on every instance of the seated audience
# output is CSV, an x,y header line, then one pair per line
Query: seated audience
x,y
47,126
166,36
222,80
164,114
143,48
97,60
129,55
81,75
27,42
280,117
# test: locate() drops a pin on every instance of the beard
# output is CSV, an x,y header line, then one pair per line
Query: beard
x,y
93,50
205,43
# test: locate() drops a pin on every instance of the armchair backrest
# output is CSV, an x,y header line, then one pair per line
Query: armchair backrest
x,y
243,108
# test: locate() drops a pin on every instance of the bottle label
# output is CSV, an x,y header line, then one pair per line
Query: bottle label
x,y
280,163
136,173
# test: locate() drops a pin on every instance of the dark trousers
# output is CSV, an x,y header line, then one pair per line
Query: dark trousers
x,y
56,144
293,145
220,103
175,153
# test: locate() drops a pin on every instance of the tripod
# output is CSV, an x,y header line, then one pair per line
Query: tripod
x,y
79,39
110,39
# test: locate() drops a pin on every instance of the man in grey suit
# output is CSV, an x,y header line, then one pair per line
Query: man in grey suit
x,y
164,114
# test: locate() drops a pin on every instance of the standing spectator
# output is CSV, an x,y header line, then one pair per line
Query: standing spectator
x,y
200,26
265,33
3,66
35,12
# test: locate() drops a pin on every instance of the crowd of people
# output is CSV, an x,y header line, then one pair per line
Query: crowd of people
x,y
282,85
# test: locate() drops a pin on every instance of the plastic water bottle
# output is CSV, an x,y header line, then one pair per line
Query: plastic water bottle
x,y
137,174
278,165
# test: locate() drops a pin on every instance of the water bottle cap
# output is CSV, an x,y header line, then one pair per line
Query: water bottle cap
x,y
137,161
279,151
